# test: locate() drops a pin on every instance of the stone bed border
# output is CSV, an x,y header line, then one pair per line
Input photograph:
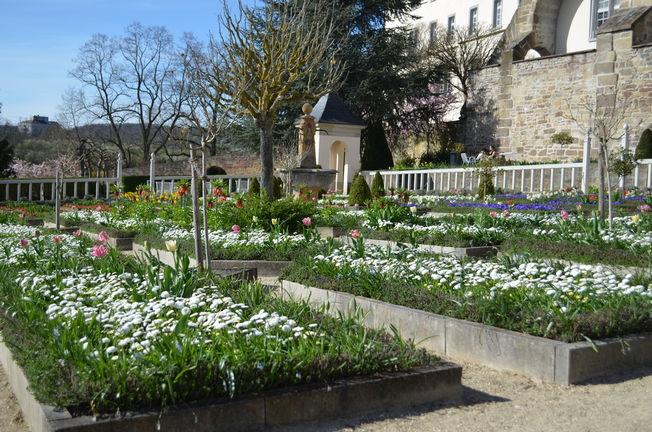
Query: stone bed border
x,y
346,397
263,268
537,357
340,233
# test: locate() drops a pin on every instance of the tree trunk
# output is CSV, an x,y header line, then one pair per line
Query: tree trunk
x,y
266,159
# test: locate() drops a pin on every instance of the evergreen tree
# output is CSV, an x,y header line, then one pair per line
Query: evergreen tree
x,y
384,69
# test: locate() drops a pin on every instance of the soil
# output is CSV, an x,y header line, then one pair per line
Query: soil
x,y
492,401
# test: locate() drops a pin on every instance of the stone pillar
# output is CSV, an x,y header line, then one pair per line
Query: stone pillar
x,y
307,138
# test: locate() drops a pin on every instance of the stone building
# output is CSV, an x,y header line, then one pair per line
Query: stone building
x,y
560,60
34,126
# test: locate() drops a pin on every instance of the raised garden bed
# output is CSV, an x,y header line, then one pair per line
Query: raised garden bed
x,y
460,252
260,267
355,396
537,357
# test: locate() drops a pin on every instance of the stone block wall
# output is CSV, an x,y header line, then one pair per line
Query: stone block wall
x,y
233,162
519,105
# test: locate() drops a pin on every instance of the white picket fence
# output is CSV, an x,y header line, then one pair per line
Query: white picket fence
x,y
43,189
521,178
234,183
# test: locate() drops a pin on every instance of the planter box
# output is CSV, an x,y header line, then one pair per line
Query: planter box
x,y
249,269
471,251
356,396
537,357
333,232
62,228
30,221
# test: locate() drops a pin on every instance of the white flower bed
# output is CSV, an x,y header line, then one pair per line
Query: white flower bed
x,y
229,239
131,326
108,219
464,276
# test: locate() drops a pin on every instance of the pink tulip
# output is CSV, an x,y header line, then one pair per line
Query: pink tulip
x,y
307,221
23,243
103,238
236,229
37,233
355,233
493,214
98,208
78,233
57,239
564,215
99,251
645,208
21,215
506,213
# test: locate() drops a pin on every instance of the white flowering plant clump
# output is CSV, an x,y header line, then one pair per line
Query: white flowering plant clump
x,y
148,336
554,300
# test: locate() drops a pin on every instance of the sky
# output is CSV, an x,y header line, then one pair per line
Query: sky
x,y
39,40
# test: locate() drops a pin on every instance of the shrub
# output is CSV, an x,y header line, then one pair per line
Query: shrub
x,y
131,183
360,192
254,187
377,186
434,157
644,147
376,153
277,192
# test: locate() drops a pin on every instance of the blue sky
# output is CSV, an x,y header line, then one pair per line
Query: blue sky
x,y
39,40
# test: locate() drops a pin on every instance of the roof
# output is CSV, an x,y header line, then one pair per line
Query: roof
x,y
331,109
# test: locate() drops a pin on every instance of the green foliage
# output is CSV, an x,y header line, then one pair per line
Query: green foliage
x,y
254,187
257,211
562,138
131,183
360,192
622,163
377,186
486,169
407,162
6,157
278,188
376,153
644,147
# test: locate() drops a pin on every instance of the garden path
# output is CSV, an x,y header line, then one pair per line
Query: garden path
x,y
492,401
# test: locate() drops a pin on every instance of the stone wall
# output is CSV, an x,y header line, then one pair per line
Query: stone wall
x,y
233,162
519,105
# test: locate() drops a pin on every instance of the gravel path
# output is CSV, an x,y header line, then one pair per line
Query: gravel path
x,y
492,401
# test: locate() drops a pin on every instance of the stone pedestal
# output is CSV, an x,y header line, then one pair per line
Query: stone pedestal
x,y
313,179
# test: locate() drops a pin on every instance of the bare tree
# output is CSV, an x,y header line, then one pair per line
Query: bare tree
x,y
140,78
274,56
462,51
607,114
97,68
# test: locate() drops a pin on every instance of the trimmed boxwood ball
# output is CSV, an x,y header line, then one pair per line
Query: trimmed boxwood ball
x,y
644,147
377,186
360,192
254,187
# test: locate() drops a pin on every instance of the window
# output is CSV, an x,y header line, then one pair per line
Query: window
x,y
498,13
473,20
451,24
433,30
602,10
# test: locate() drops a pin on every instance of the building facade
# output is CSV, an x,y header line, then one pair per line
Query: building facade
x,y
560,60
